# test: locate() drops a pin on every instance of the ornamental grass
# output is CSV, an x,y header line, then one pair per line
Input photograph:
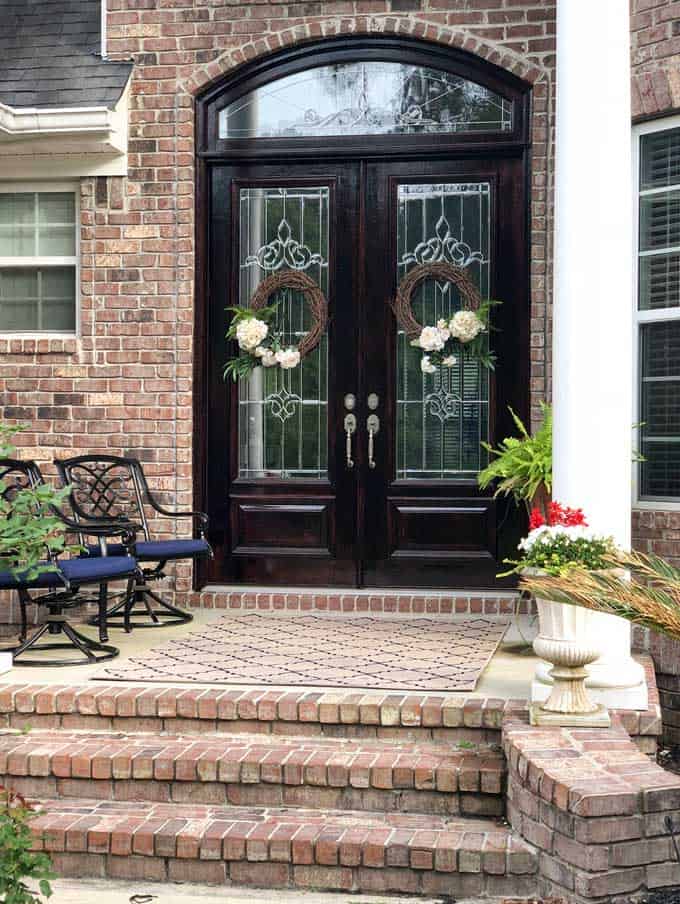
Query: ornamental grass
x,y
644,589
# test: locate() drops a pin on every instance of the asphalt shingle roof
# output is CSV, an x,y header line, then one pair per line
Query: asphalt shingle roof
x,y
49,55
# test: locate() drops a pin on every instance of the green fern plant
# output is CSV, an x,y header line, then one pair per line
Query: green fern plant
x,y
522,465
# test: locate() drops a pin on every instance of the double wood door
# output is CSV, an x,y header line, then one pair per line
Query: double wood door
x,y
356,468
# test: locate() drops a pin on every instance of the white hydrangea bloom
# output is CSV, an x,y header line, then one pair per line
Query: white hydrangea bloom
x,y
288,358
465,326
444,330
426,365
250,332
268,359
449,361
431,339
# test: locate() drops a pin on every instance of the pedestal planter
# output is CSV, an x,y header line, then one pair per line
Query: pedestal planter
x,y
565,642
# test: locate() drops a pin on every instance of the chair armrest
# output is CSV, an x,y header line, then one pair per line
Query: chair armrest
x,y
102,528
200,517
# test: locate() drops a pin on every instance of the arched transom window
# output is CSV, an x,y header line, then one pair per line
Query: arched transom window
x,y
366,98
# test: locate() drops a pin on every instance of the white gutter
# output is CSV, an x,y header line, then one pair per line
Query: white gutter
x,y
102,28
27,121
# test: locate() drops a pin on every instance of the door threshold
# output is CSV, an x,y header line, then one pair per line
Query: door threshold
x,y
364,591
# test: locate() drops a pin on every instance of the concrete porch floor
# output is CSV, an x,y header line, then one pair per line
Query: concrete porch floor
x,y
507,676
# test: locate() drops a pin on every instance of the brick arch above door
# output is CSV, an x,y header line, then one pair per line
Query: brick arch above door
x,y
531,70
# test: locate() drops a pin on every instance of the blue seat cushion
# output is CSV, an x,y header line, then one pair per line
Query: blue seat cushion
x,y
85,570
159,550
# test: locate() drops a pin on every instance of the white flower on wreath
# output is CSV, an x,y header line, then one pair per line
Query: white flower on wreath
x,y
465,326
431,339
288,358
426,365
250,332
444,330
449,361
267,358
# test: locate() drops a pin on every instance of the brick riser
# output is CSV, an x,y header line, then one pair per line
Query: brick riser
x,y
276,849
343,602
243,771
387,716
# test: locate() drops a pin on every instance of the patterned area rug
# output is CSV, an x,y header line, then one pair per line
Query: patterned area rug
x,y
390,654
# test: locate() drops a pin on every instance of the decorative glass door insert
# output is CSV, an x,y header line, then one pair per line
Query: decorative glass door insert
x,y
283,414
366,98
442,417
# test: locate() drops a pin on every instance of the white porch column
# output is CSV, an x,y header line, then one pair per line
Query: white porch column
x,y
592,323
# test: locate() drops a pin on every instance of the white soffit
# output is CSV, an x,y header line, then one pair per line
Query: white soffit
x,y
91,140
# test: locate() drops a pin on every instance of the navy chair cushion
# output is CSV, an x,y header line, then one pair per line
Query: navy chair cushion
x,y
159,550
47,579
95,569
92,570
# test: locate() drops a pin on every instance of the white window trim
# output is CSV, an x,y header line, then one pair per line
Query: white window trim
x,y
17,188
640,317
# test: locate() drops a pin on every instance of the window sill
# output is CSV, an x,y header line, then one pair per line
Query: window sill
x,y
663,505
39,344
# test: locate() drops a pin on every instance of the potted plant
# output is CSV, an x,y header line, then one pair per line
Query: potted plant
x,y
17,861
522,465
650,595
30,532
557,544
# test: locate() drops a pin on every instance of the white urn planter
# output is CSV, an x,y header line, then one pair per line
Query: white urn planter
x,y
564,641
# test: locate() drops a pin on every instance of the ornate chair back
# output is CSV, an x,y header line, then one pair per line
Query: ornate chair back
x,y
105,488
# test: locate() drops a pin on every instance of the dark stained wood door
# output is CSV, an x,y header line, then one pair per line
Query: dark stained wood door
x,y
281,496
425,521
286,506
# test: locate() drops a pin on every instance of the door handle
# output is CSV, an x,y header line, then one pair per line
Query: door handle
x,y
350,429
373,427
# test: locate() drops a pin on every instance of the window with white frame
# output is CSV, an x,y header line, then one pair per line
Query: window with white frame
x,y
38,259
658,311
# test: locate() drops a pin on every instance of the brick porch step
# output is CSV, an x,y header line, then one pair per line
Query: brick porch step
x,y
258,770
275,848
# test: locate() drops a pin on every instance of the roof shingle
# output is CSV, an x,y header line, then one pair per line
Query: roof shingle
x,y
50,56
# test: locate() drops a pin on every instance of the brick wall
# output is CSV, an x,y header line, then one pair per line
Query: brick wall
x,y
655,44
125,385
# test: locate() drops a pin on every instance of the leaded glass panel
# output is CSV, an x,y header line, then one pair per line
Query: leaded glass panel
x,y
283,413
443,417
366,98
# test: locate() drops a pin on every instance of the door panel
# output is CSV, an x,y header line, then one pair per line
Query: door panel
x,y
281,496
426,522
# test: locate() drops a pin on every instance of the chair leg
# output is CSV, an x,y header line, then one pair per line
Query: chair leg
x,y
24,600
136,608
55,625
103,627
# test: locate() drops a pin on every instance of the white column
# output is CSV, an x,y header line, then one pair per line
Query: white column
x,y
592,321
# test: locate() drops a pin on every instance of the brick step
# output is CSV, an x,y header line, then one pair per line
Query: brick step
x,y
96,706
279,848
257,770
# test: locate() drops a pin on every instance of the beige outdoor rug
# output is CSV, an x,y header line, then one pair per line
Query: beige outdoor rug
x,y
390,654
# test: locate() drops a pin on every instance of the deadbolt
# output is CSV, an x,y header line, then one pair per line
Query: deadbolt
x,y
373,401
350,401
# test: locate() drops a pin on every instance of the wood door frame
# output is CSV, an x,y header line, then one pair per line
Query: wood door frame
x,y
210,149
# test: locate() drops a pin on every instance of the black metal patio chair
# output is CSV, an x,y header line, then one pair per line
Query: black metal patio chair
x,y
64,583
109,488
